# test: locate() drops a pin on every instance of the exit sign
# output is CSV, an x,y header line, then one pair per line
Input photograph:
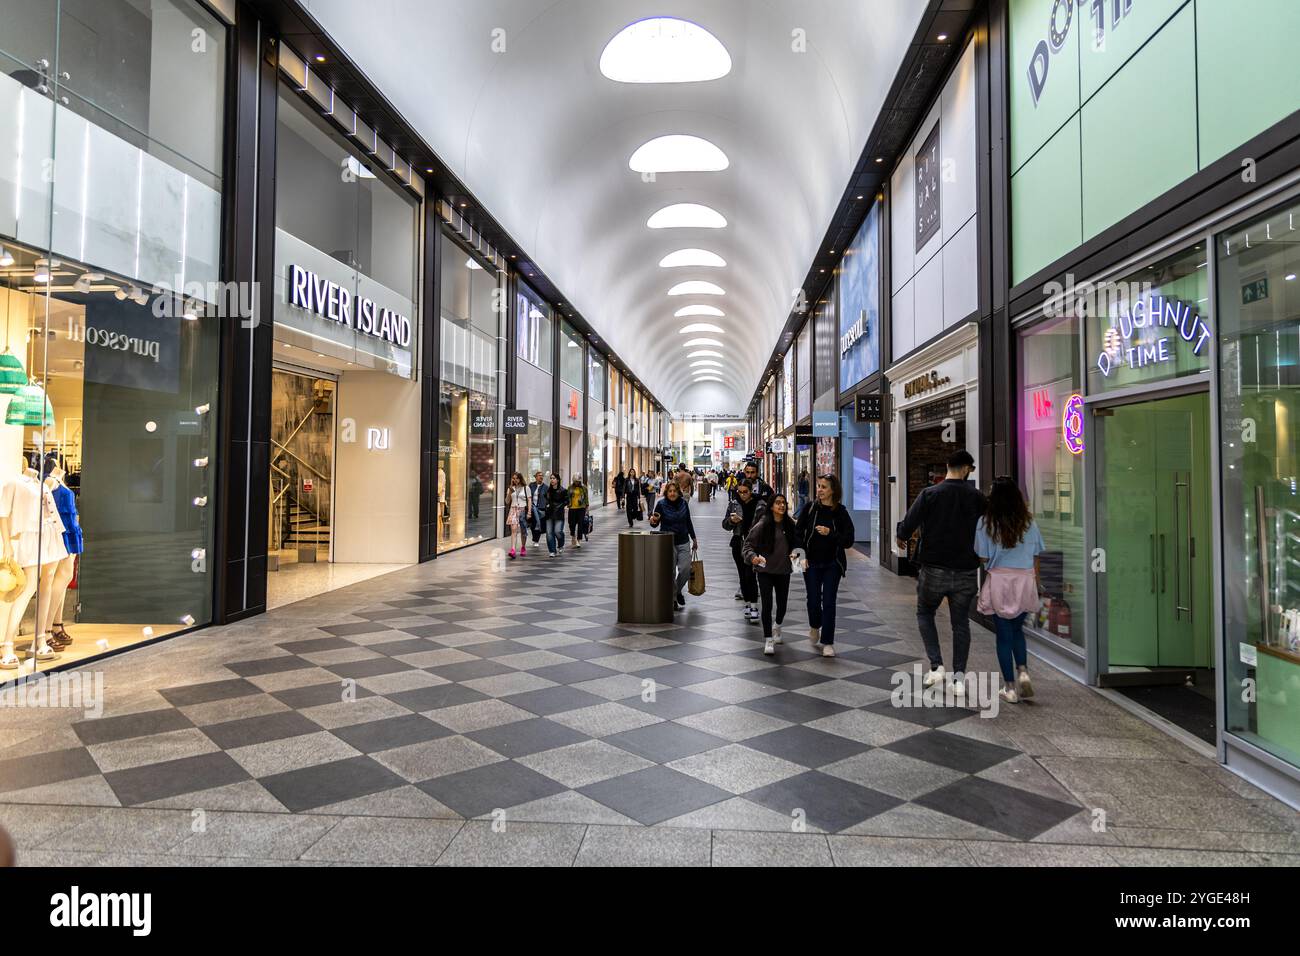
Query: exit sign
x,y
1254,291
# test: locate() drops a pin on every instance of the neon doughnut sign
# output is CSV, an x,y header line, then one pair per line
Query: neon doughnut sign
x,y
1072,424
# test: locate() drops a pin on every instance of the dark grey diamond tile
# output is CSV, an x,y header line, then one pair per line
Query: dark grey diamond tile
x,y
376,735
1010,810
675,702
410,604
55,766
496,786
172,778
471,670
328,783
829,803
447,614
681,652
315,695
590,652
654,794
951,750
370,667
796,708
878,658
512,631
205,693
413,645
678,675
524,737
918,714
433,630
804,745
553,700
258,730
433,698
787,678
499,648
357,627
883,678
665,741
382,614
574,673
107,729
269,665
315,644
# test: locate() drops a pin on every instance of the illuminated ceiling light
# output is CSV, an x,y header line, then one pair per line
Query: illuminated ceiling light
x,y
703,343
698,310
705,353
696,287
702,362
6,257
701,327
358,169
471,264
711,378
678,153
692,257
687,215
320,58
664,50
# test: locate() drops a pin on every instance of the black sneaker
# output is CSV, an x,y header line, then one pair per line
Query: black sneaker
x,y
681,601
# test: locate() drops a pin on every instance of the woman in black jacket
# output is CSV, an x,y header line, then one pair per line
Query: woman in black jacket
x,y
620,485
825,530
744,509
555,499
771,548
632,496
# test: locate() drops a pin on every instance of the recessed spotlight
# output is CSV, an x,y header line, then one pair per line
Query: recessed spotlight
x,y
857,197
320,58
942,37
463,205
879,159
1290,277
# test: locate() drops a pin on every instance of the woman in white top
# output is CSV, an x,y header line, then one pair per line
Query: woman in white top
x,y
517,515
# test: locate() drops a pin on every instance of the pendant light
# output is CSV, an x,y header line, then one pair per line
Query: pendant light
x,y
12,374
30,407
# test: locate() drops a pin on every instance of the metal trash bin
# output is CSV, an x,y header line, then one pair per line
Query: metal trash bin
x,y
646,573
705,492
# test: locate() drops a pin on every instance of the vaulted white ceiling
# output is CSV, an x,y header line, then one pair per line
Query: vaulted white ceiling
x,y
511,96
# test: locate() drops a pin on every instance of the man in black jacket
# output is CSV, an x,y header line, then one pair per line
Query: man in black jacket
x,y
762,490
740,517
946,514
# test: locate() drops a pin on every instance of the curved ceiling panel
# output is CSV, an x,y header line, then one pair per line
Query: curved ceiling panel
x,y
512,95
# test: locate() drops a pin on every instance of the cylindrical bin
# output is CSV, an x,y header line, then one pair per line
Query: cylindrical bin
x,y
646,573
705,489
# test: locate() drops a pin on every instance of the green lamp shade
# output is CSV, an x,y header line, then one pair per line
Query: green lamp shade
x,y
12,374
29,407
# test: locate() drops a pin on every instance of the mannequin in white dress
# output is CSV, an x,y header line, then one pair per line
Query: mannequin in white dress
x,y
31,533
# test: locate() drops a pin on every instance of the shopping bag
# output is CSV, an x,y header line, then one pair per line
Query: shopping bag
x,y
587,525
696,586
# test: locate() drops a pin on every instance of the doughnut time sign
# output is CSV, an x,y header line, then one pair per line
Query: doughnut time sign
x,y
1151,333
331,301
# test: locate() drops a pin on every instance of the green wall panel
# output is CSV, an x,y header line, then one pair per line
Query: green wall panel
x,y
1046,214
1249,66
1122,40
1035,124
1139,131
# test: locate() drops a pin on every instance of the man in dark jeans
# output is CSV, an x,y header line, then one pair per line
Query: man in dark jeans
x,y
946,513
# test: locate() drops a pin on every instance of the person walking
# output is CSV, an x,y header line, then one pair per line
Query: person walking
x,y
620,485
672,515
946,515
685,481
648,485
1008,542
517,515
761,488
632,497
825,530
537,507
475,492
555,500
739,520
769,548
802,492
578,503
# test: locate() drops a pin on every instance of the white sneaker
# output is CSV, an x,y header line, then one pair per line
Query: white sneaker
x,y
1026,686
934,676
776,634
1009,695
958,688
814,636
578,545
769,646
828,650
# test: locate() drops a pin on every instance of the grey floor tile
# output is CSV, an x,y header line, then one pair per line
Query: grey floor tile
x,y
174,777
639,846
391,842
898,851
141,724
1017,813
332,782
577,765
826,802
753,848
524,737
390,732
665,741
491,787
515,844
654,794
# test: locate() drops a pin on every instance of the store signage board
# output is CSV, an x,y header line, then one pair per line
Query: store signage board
x,y
1119,347
870,408
515,422
825,424
1072,425
924,383
329,300
928,163
484,422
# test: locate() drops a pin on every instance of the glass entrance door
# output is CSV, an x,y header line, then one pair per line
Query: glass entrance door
x,y
1154,535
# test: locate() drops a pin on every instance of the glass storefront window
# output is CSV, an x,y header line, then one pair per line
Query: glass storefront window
x,y
467,421
110,225
596,376
1259,455
532,328
1051,470
803,394
1150,326
533,451
571,356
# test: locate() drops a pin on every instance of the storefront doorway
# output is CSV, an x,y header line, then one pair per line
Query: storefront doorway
x,y
1153,508
302,465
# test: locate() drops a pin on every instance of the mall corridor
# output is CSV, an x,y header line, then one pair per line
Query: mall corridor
x,y
500,716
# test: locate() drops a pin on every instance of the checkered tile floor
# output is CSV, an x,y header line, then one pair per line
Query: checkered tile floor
x,y
473,687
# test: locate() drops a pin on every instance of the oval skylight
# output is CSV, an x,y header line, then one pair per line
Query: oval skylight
x,y
705,353
664,50
696,287
711,378
700,327
687,215
701,343
692,257
678,153
710,362
686,310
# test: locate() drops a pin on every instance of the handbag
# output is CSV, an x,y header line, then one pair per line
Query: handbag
x,y
587,525
696,586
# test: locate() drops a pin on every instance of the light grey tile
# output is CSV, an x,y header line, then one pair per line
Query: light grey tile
x,y
436,758
588,762
393,842
517,844
753,848
263,835
736,768
898,851
733,723
642,846
601,720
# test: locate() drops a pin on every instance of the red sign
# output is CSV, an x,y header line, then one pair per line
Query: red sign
x,y
573,404
307,485
1042,404
728,441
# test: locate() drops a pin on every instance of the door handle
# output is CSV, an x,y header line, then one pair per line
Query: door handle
x,y
1153,563
1164,577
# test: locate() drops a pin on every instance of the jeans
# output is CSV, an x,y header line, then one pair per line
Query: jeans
x,y
683,567
745,571
769,584
539,524
822,582
554,534
649,502
1011,645
933,584
578,523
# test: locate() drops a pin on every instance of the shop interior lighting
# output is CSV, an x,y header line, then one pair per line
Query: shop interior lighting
x,y
697,287
687,215
678,153
6,257
664,50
